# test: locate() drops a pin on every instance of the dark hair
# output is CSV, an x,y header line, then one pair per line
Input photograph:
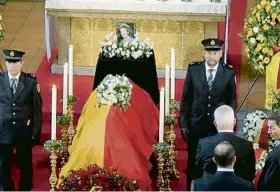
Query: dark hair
x,y
275,116
224,154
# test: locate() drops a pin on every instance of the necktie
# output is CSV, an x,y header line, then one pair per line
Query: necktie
x,y
14,85
210,79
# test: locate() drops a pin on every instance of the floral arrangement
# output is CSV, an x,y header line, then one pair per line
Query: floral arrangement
x,y
1,27
251,123
136,49
95,177
114,90
53,145
261,32
275,99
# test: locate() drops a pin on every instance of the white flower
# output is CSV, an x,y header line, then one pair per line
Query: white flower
x,y
256,29
114,46
273,3
114,90
261,57
252,40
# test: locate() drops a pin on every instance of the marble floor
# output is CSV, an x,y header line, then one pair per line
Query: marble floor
x,y
23,22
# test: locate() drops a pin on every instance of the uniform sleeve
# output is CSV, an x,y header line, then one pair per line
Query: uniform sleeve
x,y
199,163
37,111
251,164
231,92
270,175
186,100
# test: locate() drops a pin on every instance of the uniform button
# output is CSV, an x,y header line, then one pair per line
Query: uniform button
x,y
208,114
14,113
209,97
14,104
209,105
14,122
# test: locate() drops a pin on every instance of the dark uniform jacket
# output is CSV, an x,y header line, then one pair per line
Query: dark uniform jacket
x,y
244,166
223,181
199,103
270,176
15,111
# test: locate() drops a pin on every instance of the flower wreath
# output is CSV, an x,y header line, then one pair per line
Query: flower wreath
x,y
253,123
260,33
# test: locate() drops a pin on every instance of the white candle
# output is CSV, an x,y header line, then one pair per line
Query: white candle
x,y
65,88
70,67
161,115
53,125
172,96
167,81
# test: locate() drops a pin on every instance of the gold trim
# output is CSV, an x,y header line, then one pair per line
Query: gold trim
x,y
136,15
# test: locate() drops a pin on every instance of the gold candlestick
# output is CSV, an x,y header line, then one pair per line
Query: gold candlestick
x,y
53,177
173,171
64,155
54,147
70,112
162,150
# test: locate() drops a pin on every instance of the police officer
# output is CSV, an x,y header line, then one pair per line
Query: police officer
x,y
208,85
20,120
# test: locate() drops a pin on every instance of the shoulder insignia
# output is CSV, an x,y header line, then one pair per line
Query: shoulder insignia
x,y
229,66
31,75
1,73
38,87
195,63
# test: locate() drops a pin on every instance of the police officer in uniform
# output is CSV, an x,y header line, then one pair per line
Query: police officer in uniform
x,y
208,85
20,120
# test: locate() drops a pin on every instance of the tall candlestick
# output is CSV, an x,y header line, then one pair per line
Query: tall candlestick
x,y
167,81
65,88
172,96
70,87
54,99
161,115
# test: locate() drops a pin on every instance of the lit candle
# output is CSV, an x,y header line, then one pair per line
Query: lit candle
x,y
65,88
161,115
167,81
172,95
53,126
70,87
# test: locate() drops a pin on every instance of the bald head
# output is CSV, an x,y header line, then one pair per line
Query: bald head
x,y
224,155
224,118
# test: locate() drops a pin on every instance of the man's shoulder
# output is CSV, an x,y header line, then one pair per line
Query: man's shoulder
x,y
31,76
229,67
195,63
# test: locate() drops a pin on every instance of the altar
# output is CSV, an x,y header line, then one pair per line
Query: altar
x,y
171,23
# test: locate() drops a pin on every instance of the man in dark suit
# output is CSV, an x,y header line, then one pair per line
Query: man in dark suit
x,y
224,179
270,176
208,85
20,120
245,164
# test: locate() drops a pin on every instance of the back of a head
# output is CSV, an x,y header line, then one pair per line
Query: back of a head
x,y
224,154
224,117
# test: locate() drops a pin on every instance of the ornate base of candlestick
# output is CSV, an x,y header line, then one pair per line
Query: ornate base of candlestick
x,y
64,154
173,171
53,177
163,176
71,130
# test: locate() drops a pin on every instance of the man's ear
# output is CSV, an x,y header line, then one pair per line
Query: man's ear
x,y
215,123
213,158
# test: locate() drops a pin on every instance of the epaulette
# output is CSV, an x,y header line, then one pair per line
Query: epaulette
x,y
1,73
194,63
229,66
31,75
